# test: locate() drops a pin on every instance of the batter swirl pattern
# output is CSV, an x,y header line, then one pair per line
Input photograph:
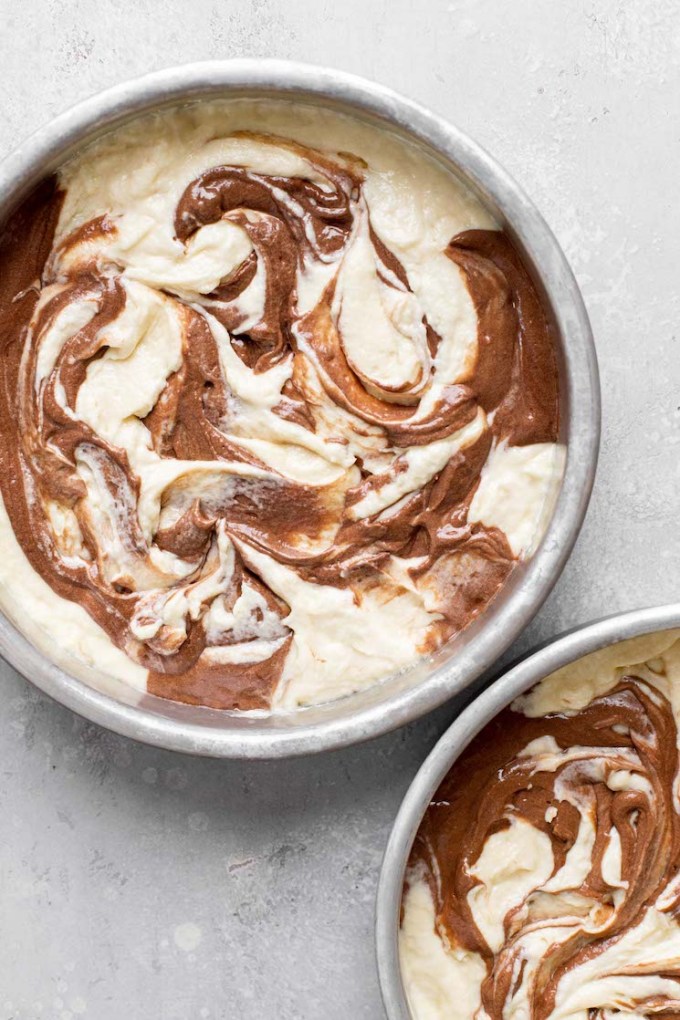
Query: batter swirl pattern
x,y
551,854
231,432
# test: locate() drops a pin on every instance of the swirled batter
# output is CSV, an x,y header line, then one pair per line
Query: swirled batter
x,y
545,879
278,409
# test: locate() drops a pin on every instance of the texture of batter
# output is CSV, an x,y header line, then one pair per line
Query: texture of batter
x,y
279,406
545,878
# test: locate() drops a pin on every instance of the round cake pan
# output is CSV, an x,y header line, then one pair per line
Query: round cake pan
x,y
482,710
409,695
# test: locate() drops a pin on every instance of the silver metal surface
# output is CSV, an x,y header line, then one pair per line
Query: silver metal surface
x,y
404,698
498,696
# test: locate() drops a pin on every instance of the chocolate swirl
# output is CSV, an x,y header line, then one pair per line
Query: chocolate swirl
x,y
552,853
203,463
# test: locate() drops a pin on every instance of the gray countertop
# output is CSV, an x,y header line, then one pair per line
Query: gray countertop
x,y
140,884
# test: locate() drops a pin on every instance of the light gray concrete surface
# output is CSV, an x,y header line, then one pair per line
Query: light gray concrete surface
x,y
139,885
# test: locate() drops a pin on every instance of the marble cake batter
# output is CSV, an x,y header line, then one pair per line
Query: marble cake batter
x,y
545,878
279,406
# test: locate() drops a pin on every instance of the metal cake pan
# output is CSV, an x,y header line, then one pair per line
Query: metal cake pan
x,y
552,656
403,698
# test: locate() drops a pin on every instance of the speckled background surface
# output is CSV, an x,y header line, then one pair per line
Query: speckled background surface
x,y
141,885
